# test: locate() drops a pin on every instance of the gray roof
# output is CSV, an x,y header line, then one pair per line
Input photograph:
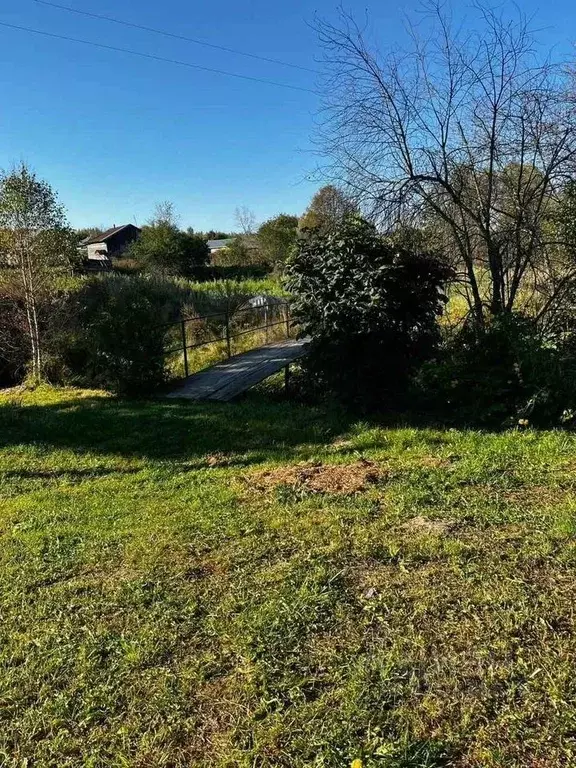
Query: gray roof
x,y
94,239
215,244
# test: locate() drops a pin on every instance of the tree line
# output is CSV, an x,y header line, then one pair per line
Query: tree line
x,y
453,169
459,149
165,249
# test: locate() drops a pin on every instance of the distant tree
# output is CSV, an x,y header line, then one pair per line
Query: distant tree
x,y
166,250
165,213
328,208
39,246
246,220
85,232
277,237
241,251
214,234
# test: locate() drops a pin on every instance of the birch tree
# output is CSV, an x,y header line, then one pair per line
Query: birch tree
x,y
36,249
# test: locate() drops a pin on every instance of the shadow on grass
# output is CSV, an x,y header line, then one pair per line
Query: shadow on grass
x,y
257,429
64,474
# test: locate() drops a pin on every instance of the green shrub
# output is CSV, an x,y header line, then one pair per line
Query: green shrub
x,y
370,309
164,250
14,346
502,375
244,272
117,339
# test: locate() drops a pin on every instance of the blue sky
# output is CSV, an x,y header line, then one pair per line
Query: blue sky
x,y
114,134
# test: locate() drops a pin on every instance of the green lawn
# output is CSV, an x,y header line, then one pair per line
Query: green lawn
x,y
163,604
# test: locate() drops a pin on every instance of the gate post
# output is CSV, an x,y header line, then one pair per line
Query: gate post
x,y
228,347
183,329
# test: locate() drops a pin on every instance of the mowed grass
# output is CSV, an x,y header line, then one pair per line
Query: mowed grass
x,y
162,607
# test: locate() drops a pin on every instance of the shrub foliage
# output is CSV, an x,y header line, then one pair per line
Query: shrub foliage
x,y
506,373
370,309
117,339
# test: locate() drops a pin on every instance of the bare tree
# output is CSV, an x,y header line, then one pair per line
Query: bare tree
x,y
165,213
37,246
246,220
468,133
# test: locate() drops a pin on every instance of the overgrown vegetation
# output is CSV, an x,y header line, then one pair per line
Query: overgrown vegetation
x,y
164,249
122,333
36,248
370,309
502,375
467,135
231,585
117,334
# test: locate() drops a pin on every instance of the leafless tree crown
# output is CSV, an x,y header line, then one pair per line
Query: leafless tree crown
x,y
472,130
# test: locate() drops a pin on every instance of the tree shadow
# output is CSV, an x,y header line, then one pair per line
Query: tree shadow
x,y
249,431
65,474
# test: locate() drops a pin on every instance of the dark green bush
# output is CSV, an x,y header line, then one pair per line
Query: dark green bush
x,y
117,339
503,374
14,346
213,272
371,310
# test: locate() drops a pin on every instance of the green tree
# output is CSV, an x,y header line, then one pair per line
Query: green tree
x,y
327,210
215,234
84,232
277,237
164,249
38,247
370,308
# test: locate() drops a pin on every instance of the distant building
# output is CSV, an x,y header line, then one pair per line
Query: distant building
x,y
101,249
217,245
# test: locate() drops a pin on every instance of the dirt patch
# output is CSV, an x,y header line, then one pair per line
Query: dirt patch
x,y
538,496
423,525
218,460
324,478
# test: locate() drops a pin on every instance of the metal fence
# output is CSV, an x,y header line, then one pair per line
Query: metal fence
x,y
234,323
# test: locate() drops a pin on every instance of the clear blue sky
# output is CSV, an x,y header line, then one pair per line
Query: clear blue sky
x,y
115,134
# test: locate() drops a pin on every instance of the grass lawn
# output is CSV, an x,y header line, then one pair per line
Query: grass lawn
x,y
172,595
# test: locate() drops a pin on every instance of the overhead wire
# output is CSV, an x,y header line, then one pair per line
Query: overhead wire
x,y
155,57
166,33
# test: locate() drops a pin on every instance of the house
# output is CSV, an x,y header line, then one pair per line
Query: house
x,y
101,249
217,245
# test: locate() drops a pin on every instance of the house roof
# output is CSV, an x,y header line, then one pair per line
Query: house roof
x,y
94,239
214,245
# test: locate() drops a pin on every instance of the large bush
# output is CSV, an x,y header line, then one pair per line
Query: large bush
x,y
503,374
165,250
117,339
370,309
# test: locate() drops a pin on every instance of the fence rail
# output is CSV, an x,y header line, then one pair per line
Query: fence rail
x,y
278,311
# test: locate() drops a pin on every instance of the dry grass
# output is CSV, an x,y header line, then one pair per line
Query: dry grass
x,y
323,478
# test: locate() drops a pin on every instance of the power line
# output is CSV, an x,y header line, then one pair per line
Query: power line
x,y
174,36
157,58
